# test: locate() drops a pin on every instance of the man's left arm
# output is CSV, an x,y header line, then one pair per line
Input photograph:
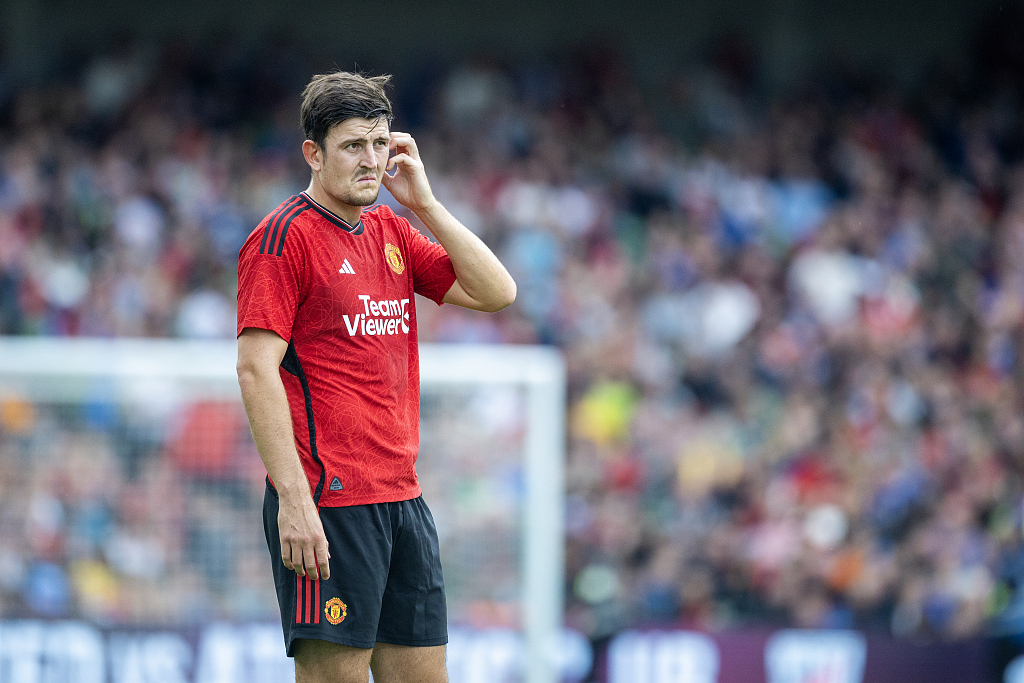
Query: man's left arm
x,y
482,283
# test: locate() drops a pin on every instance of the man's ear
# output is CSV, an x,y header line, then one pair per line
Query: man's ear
x,y
314,155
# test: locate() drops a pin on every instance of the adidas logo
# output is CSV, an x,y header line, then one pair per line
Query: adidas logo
x,y
346,268
336,483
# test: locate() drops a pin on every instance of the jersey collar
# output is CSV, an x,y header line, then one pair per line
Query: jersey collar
x,y
356,229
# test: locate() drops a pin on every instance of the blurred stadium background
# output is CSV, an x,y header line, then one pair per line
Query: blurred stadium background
x,y
780,245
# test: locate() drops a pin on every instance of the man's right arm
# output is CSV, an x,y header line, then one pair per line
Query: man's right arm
x,y
303,543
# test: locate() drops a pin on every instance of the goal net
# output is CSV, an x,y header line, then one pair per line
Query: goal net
x,y
131,497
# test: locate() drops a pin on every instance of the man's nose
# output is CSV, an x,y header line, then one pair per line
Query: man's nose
x,y
369,159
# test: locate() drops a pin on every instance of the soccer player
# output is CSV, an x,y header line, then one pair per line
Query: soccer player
x,y
329,371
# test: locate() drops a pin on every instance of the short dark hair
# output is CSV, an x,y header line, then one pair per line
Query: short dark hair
x,y
332,98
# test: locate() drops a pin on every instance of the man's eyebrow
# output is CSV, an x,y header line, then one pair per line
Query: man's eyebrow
x,y
348,141
379,136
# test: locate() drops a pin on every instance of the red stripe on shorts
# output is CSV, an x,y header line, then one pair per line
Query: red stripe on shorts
x,y
298,599
307,599
316,602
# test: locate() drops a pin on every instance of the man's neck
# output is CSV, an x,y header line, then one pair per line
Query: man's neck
x,y
346,212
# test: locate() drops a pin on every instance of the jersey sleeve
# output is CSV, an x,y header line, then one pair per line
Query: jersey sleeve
x,y
432,271
269,287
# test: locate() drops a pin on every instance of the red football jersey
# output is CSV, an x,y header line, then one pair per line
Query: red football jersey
x,y
342,296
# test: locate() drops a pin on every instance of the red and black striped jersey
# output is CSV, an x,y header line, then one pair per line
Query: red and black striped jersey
x,y
342,295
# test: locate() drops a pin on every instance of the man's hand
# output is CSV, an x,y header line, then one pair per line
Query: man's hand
x,y
409,183
303,542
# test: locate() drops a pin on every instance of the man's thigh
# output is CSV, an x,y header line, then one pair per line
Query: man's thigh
x,y
319,661
405,664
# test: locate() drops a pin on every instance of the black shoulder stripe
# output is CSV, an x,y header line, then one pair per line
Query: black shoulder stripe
x,y
273,219
284,230
275,224
287,215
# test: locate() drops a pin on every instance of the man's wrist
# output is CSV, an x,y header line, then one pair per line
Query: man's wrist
x,y
430,212
295,492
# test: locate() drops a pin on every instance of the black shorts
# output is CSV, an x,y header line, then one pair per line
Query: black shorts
x,y
385,586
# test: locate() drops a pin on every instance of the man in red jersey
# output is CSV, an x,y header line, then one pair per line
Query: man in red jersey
x,y
329,371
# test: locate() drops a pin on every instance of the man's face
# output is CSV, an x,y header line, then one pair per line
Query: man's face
x,y
353,160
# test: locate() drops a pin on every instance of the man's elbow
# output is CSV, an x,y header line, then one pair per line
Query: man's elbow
x,y
250,374
247,374
505,298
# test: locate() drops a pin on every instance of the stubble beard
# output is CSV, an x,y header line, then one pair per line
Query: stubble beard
x,y
354,197
367,197
361,197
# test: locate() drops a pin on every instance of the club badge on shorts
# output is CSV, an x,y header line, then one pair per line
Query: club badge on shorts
x,y
394,258
335,610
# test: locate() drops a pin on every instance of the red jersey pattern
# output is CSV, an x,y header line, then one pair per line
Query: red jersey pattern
x,y
342,296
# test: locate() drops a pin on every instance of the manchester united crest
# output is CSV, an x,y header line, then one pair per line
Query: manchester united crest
x,y
394,258
335,610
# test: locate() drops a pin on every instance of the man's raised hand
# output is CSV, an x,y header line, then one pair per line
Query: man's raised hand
x,y
409,183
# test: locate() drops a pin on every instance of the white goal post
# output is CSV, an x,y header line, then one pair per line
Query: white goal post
x,y
67,369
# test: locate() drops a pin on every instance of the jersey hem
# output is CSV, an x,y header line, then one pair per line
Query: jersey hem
x,y
262,326
398,497
364,500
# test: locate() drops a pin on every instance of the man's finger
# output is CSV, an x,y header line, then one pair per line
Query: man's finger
x,y
324,560
286,556
397,159
297,563
309,560
403,140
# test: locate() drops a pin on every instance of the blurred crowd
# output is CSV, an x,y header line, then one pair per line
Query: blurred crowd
x,y
793,321
108,513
